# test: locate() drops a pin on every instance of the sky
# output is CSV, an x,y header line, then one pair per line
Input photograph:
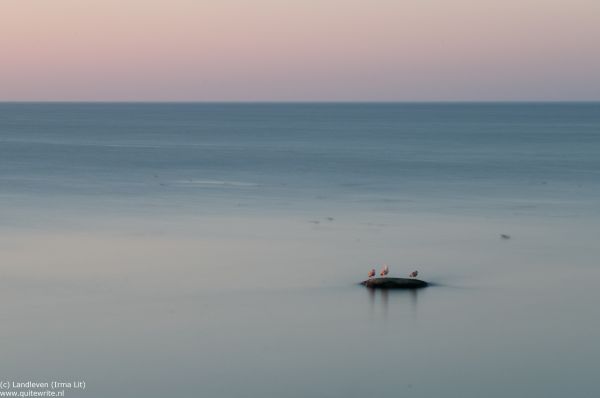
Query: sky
x,y
299,50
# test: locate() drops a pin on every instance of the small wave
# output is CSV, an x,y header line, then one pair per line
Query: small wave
x,y
217,183
135,146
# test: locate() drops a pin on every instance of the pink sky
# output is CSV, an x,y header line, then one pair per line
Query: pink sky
x,y
270,50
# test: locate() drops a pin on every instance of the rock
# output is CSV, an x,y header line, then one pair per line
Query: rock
x,y
393,283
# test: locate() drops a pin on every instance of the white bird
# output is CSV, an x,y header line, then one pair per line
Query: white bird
x,y
385,270
414,274
372,273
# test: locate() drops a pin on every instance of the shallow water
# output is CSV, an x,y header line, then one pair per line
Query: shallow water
x,y
214,250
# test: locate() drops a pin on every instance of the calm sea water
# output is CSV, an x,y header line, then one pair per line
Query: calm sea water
x,y
213,250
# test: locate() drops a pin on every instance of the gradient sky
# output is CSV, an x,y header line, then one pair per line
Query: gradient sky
x,y
248,50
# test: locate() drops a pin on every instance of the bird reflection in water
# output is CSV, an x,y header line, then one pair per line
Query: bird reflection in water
x,y
400,298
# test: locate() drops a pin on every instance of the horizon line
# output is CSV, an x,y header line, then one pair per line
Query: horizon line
x,y
273,102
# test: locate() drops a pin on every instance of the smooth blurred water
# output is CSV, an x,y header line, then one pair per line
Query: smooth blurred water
x,y
214,249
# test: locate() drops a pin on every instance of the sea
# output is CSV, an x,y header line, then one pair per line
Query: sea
x,y
215,249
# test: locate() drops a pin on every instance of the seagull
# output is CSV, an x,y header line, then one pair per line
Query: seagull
x,y
385,270
413,274
372,273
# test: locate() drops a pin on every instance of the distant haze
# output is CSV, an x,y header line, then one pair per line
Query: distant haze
x,y
325,50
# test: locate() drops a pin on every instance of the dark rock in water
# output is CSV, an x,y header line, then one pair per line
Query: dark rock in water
x,y
394,283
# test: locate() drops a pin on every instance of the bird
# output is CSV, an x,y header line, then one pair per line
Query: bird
x,y
385,270
372,273
413,274
505,236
